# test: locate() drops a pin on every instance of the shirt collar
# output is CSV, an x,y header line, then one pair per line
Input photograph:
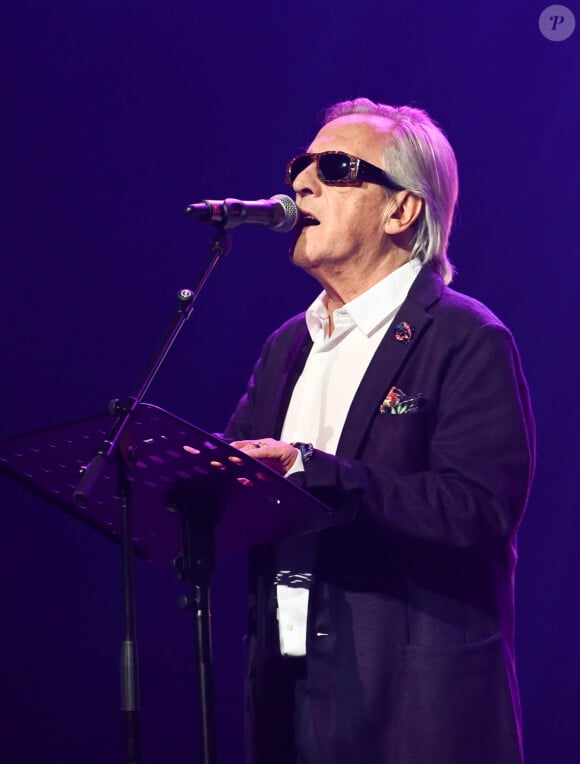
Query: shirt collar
x,y
370,309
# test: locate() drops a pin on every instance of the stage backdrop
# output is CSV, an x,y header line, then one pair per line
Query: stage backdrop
x,y
117,114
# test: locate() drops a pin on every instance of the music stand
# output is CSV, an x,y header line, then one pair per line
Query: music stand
x,y
220,500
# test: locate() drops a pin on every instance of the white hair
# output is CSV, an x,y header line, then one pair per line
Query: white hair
x,y
419,157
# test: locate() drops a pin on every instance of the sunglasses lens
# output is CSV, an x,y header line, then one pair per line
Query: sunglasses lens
x,y
334,167
297,166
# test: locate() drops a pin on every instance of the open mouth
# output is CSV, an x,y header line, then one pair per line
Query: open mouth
x,y
308,220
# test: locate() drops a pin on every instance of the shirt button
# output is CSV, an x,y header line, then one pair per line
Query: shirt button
x,y
289,626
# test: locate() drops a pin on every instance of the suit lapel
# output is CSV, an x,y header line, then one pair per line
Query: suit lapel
x,y
391,354
281,394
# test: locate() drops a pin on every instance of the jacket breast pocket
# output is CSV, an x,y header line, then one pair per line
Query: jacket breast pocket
x,y
399,441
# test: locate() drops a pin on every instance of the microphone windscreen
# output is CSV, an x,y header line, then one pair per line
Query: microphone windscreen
x,y
290,217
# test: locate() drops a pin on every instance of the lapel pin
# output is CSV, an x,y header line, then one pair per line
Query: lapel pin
x,y
404,332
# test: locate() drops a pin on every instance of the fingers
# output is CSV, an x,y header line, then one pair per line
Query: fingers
x,y
253,445
275,454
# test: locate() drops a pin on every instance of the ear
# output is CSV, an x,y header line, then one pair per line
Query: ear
x,y
403,209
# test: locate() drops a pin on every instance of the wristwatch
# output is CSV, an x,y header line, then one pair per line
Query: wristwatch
x,y
306,450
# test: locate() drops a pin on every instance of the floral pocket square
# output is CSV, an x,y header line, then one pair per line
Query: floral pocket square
x,y
397,402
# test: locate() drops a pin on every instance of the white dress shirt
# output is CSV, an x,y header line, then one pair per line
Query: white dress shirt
x,y
323,395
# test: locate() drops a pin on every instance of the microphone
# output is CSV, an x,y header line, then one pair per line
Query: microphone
x,y
278,213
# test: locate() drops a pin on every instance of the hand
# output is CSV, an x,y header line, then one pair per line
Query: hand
x,y
275,454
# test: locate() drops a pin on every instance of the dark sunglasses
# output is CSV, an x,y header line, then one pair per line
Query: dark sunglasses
x,y
335,168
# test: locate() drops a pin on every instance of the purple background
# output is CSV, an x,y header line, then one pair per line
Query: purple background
x,y
117,114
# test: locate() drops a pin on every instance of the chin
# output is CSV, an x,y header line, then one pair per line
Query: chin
x,y
300,258
297,254
302,255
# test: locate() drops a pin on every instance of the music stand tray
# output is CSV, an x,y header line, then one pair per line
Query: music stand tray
x,y
256,504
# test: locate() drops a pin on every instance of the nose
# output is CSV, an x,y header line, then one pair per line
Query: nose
x,y
307,181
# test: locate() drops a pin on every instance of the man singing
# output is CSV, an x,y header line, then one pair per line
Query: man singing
x,y
401,404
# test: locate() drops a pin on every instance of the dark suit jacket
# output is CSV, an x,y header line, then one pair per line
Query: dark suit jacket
x,y
410,626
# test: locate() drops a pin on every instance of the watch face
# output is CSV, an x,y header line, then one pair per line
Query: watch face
x,y
306,449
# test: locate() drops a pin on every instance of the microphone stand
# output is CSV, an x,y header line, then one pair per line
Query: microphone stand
x,y
91,474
